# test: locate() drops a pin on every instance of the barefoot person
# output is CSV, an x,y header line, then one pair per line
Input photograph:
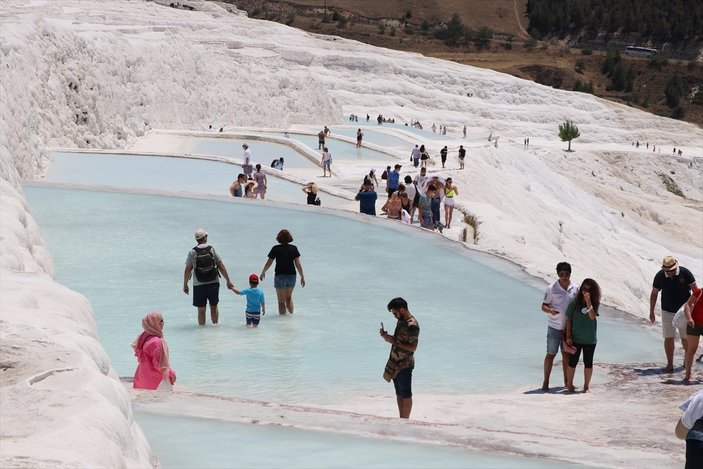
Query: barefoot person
x,y
310,190
256,301
450,191
287,260
581,327
261,182
675,282
401,361
690,428
694,330
207,265
151,351
557,297
326,162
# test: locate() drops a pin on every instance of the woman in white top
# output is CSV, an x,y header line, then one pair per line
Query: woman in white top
x,y
326,162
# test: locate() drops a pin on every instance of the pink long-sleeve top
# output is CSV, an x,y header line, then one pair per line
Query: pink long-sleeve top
x,y
150,371
151,351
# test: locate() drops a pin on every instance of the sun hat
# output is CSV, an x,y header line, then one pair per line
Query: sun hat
x,y
669,263
200,234
253,278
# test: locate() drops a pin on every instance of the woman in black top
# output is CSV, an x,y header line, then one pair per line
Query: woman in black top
x,y
287,260
311,190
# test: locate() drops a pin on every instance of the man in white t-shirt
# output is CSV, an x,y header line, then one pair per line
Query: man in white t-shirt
x,y
420,180
557,297
247,167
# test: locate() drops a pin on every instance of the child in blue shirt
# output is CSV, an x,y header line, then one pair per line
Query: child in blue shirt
x,y
256,305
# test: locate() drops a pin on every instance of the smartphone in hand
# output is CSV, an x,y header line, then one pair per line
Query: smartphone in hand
x,y
382,328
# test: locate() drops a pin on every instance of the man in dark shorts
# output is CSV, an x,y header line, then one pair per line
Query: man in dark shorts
x,y
675,283
401,361
207,266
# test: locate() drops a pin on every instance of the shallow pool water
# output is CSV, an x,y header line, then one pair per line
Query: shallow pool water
x,y
263,152
187,443
377,138
139,172
481,330
425,132
340,149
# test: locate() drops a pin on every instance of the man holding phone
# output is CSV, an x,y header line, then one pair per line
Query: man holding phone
x,y
401,361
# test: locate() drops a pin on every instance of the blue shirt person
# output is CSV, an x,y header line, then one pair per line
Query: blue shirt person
x,y
367,199
256,303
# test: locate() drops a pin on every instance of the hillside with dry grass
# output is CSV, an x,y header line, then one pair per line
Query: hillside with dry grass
x,y
495,37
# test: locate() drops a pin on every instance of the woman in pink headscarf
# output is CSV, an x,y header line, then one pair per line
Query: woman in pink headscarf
x,y
151,351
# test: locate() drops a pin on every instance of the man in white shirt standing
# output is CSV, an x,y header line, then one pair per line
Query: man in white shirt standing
x,y
247,167
557,297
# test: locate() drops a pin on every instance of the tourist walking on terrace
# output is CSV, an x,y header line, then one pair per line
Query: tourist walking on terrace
x,y
359,138
393,179
694,322
443,155
450,191
326,162
401,361
247,167
321,140
287,259
462,155
556,300
371,178
424,157
425,208
675,282
415,156
151,351
207,266
581,328
413,197
261,183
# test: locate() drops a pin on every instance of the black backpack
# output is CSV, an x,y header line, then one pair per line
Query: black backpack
x,y
384,175
274,163
205,264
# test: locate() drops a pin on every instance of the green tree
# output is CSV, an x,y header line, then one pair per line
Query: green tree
x,y
483,37
568,132
674,90
454,31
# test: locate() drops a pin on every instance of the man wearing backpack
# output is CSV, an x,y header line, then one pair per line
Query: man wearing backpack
x,y
206,265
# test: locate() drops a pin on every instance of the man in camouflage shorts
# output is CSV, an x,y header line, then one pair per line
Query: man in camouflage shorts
x,y
401,361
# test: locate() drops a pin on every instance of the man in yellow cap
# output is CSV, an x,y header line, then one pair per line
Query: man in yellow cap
x,y
675,283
